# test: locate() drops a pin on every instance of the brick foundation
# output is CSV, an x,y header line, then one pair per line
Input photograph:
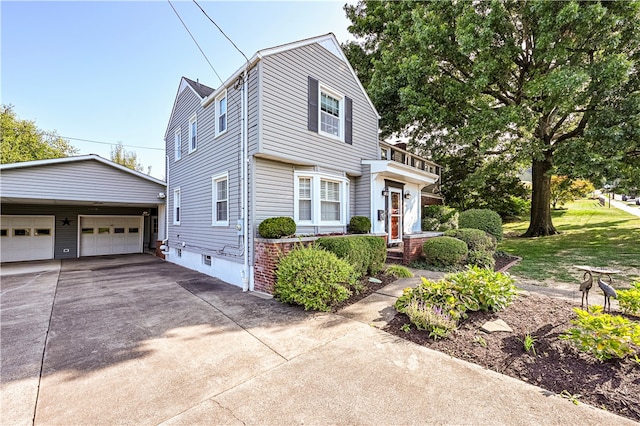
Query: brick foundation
x,y
412,245
158,251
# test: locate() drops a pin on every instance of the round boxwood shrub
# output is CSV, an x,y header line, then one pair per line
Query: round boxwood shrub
x,y
476,239
353,250
359,225
439,218
445,251
377,253
277,227
314,278
484,219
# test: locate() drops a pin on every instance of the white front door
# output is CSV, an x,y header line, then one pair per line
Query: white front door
x,y
394,224
100,235
26,238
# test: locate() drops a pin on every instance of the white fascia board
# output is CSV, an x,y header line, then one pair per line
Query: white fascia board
x,y
63,160
407,173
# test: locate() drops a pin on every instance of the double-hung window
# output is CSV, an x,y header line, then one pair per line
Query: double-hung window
x,y
220,193
193,133
176,206
221,113
330,114
320,200
177,141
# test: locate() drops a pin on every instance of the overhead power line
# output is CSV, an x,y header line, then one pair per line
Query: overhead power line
x,y
111,143
194,40
220,29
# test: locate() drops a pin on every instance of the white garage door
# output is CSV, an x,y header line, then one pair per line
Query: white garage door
x,y
26,238
101,235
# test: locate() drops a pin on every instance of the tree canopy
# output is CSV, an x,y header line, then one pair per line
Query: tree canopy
x,y
541,83
21,140
129,159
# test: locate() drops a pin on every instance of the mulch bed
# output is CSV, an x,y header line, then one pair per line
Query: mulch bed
x,y
557,366
369,288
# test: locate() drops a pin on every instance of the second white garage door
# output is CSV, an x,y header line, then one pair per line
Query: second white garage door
x,y
100,235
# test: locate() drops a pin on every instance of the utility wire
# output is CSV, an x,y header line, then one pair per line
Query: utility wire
x,y
220,29
111,143
194,40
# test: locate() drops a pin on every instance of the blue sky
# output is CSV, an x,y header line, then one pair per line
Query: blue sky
x,y
109,71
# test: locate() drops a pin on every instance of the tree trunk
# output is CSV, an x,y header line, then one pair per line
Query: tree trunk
x,y
541,224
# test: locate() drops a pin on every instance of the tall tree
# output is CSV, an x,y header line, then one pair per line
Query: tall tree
x,y
21,140
129,159
516,80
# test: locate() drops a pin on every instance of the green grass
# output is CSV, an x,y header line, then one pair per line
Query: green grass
x,y
590,234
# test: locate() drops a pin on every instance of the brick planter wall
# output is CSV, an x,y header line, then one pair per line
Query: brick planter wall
x,y
412,245
268,251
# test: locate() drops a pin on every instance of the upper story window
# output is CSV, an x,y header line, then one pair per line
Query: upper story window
x,y
177,142
193,133
220,207
177,200
320,200
221,113
329,112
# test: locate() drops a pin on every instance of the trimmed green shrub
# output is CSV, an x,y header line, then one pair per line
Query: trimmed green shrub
x,y
484,219
481,258
366,254
604,336
476,239
629,300
445,251
313,278
277,227
359,225
378,253
439,218
398,271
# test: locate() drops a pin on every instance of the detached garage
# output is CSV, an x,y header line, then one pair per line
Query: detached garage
x,y
77,206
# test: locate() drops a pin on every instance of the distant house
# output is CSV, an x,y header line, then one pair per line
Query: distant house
x,y
292,133
77,206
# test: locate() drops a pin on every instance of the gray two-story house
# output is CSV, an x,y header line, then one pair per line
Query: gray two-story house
x,y
291,133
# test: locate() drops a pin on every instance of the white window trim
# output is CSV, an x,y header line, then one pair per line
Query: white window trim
x,y
177,195
217,127
214,200
177,141
316,214
340,97
194,118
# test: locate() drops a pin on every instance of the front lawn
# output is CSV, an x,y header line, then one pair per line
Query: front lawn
x,y
590,234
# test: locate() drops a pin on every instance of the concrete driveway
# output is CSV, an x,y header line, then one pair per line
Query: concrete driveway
x,y
136,340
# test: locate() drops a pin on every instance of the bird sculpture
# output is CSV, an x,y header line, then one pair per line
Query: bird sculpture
x,y
608,293
585,287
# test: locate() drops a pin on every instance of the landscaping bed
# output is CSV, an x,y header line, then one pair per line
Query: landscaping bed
x,y
557,365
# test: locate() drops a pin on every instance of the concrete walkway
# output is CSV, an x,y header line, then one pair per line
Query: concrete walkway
x,y
135,340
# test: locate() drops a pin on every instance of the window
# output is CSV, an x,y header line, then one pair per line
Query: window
x,y
134,231
176,206
320,199
178,144
206,259
3,232
87,230
21,232
104,230
118,230
221,113
220,208
179,252
43,231
329,200
304,199
329,113
193,133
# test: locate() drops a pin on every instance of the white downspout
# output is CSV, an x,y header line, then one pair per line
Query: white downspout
x,y
166,207
247,283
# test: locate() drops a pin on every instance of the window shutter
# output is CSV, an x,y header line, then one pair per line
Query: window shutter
x,y
312,110
348,120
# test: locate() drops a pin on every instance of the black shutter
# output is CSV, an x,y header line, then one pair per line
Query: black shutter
x,y
312,105
348,120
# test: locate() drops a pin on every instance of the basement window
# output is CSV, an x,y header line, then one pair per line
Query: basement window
x,y
206,259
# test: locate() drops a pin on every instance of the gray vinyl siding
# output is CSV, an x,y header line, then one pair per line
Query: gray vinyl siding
x,y
88,180
254,106
274,189
66,236
284,111
362,197
194,171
